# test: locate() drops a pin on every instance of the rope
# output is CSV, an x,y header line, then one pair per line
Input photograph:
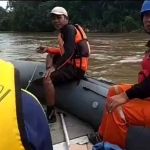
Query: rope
x,y
29,82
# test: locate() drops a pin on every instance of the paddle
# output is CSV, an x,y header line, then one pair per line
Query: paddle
x,y
65,130
69,146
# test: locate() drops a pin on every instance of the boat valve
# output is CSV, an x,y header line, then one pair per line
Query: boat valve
x,y
95,105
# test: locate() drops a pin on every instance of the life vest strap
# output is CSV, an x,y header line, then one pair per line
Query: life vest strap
x,y
77,27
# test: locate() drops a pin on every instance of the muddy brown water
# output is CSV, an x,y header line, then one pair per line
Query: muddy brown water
x,y
115,57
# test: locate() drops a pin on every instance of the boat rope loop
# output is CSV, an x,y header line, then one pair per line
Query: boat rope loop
x,y
119,108
29,82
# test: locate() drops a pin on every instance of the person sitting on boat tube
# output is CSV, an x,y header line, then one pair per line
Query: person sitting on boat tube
x,y
128,104
66,63
23,123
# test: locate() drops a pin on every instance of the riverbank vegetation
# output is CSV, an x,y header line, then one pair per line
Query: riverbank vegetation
x,y
94,16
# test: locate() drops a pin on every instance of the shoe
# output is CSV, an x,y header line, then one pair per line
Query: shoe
x,y
94,138
52,117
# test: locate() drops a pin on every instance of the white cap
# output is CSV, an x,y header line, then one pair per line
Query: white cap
x,y
59,11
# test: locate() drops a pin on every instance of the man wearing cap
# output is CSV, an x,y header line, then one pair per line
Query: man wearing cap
x,y
68,62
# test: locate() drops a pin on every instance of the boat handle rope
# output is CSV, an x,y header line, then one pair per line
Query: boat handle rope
x,y
29,82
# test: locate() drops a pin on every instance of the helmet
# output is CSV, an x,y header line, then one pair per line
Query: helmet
x,y
145,6
59,11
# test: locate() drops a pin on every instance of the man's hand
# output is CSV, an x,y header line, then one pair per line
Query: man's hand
x,y
49,71
115,101
41,49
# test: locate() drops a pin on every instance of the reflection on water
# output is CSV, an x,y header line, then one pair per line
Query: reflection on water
x,y
115,57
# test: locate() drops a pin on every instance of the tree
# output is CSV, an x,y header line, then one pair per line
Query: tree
x,y
104,15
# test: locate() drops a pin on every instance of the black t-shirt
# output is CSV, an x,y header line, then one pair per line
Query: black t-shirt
x,y
68,34
141,90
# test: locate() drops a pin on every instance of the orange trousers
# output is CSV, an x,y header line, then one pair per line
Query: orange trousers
x,y
114,127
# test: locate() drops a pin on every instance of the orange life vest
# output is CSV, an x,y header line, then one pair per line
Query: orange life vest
x,y
145,68
81,48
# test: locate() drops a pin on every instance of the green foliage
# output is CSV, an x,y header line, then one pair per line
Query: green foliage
x,y
102,16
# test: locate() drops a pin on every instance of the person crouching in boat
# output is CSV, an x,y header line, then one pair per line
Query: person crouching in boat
x,y
128,104
23,123
66,63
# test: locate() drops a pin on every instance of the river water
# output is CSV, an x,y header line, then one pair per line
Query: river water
x,y
115,57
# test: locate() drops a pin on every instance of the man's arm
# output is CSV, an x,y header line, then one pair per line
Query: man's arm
x,y
69,34
141,90
53,50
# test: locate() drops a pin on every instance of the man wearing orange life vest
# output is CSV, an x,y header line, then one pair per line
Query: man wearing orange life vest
x,y
128,104
66,63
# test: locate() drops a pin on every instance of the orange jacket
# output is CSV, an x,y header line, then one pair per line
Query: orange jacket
x,y
81,49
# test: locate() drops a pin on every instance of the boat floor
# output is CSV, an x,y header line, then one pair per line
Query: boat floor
x,y
81,143
77,130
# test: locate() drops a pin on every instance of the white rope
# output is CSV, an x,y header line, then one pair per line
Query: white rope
x,y
29,82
